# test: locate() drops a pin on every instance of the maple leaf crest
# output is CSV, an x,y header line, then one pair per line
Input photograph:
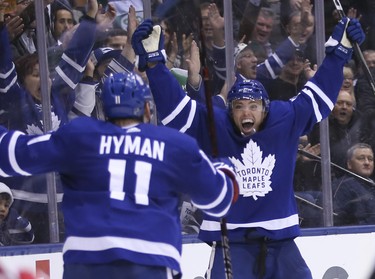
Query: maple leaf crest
x,y
254,172
35,130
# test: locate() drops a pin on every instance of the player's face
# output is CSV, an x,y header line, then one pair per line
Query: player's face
x,y
362,162
248,115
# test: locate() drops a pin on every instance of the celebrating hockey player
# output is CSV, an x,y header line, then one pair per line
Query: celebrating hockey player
x,y
121,182
261,138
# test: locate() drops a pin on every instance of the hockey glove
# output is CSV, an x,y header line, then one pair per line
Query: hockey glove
x,y
224,165
148,44
355,32
345,31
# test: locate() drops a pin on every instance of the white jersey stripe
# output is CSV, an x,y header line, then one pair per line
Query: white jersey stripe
x,y
190,118
5,90
276,224
12,154
321,94
176,111
65,78
318,115
72,63
4,76
114,242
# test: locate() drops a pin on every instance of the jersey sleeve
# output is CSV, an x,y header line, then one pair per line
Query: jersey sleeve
x,y
210,189
26,155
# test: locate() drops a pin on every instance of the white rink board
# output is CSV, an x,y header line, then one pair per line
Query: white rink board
x,y
353,254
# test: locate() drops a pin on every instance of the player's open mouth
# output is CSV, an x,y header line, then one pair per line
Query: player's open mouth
x,y
247,124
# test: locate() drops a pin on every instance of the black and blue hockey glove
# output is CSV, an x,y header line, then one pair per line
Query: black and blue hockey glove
x,y
345,31
355,31
225,165
148,44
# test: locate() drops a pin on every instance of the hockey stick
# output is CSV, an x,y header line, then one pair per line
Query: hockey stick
x,y
357,50
212,134
311,203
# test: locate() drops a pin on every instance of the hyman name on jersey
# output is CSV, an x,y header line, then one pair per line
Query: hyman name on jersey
x,y
127,144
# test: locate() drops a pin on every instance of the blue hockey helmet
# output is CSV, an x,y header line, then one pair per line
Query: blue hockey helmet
x,y
124,96
249,89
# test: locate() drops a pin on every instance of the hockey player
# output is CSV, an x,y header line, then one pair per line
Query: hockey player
x,y
262,138
121,181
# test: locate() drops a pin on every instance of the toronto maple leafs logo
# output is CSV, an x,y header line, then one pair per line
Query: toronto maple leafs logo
x,y
254,172
35,130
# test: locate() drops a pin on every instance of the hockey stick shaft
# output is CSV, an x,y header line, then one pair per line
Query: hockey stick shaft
x,y
310,203
357,50
212,132
215,152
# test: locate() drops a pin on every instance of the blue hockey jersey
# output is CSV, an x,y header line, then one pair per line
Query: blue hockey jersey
x,y
19,110
264,161
121,187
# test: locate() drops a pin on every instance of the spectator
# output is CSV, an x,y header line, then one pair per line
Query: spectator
x,y
14,229
247,64
290,81
348,84
307,184
369,56
258,33
344,128
114,38
171,45
108,61
121,181
21,101
62,19
353,198
205,45
300,25
363,90
101,57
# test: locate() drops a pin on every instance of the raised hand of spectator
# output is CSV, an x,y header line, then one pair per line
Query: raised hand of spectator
x,y
173,52
132,22
128,51
308,70
297,30
92,8
216,20
352,13
14,26
90,67
312,149
217,24
186,44
105,20
295,5
306,10
194,65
